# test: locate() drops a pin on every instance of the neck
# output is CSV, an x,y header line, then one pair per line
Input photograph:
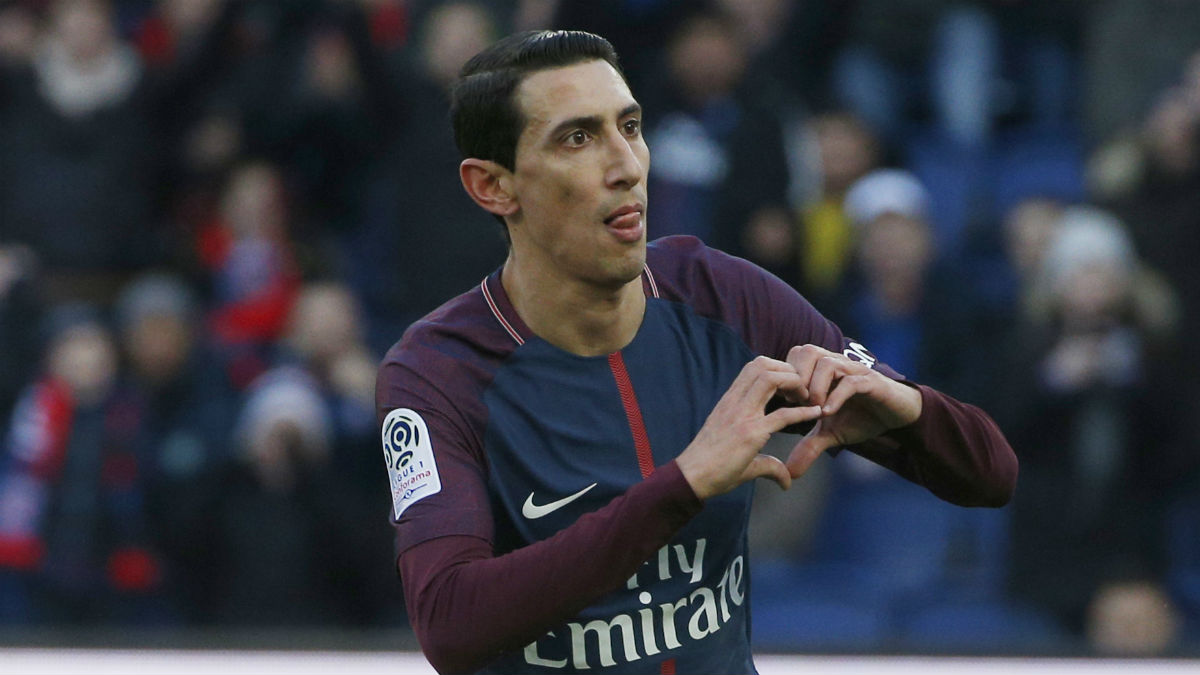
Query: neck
x,y
579,317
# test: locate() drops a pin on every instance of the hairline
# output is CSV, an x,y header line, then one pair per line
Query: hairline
x,y
519,108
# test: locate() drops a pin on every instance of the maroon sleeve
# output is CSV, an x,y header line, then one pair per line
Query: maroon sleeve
x,y
954,449
460,598
461,505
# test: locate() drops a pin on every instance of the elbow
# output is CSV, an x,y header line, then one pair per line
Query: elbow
x,y
992,486
1001,483
450,643
447,654
445,625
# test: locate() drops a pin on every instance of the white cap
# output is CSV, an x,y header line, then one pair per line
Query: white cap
x,y
1087,236
886,191
285,395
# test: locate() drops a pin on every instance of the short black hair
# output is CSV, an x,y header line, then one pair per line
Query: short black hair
x,y
487,121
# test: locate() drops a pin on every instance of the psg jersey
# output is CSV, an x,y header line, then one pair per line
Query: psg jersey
x,y
492,432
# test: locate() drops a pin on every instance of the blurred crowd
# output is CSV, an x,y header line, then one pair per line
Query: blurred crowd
x,y
217,215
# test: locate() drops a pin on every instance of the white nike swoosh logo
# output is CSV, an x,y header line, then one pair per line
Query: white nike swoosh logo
x,y
533,511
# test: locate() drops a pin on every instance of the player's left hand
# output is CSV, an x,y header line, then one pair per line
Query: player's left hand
x,y
857,403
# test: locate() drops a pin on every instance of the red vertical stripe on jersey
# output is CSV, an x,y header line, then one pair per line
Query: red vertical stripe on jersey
x,y
641,441
667,667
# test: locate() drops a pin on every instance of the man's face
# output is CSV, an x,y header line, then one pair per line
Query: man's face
x,y
580,176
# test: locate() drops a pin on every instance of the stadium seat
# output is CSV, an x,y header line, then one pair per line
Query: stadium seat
x,y
978,627
977,564
974,188
954,177
818,626
887,535
1029,164
801,606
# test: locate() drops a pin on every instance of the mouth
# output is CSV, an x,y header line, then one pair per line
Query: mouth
x,y
627,222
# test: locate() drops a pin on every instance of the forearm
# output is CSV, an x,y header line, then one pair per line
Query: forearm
x,y
954,449
460,597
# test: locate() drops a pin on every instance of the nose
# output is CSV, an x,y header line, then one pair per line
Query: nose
x,y
627,158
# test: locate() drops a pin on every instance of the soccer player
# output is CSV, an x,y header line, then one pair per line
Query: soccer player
x,y
572,443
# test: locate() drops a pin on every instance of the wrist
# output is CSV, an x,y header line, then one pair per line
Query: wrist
x,y
692,475
913,404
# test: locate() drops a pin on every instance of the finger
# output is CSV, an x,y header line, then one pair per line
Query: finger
x,y
784,417
803,359
847,387
825,373
767,466
813,364
752,372
808,450
769,383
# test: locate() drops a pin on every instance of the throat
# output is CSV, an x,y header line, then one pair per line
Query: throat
x,y
582,321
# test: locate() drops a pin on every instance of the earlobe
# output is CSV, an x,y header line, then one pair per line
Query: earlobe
x,y
488,184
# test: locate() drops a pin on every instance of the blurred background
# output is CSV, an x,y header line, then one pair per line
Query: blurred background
x,y
217,215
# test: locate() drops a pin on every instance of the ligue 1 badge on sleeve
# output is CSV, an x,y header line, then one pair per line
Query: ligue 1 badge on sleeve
x,y
408,452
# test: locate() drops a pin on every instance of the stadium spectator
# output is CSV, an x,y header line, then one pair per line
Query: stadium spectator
x,y
1029,228
72,511
1090,437
249,257
847,151
326,337
285,543
1160,200
75,122
187,408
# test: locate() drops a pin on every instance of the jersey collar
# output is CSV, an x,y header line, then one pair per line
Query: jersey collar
x,y
506,315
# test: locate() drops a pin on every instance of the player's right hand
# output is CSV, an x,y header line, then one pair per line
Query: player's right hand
x,y
725,453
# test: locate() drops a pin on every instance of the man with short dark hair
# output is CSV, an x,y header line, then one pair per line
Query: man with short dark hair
x,y
571,445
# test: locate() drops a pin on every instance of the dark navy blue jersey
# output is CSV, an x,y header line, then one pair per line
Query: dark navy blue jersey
x,y
492,432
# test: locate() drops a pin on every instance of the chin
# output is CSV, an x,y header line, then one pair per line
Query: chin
x,y
627,268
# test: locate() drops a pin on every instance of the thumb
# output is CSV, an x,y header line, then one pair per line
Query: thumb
x,y
815,442
766,466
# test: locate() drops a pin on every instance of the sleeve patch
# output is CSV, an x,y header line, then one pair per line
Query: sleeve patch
x,y
407,449
856,352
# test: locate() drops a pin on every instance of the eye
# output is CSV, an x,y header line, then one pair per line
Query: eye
x,y
577,138
632,127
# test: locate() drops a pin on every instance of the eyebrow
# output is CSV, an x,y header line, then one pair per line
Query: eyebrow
x,y
591,122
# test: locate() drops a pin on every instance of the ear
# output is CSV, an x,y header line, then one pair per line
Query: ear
x,y
488,184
